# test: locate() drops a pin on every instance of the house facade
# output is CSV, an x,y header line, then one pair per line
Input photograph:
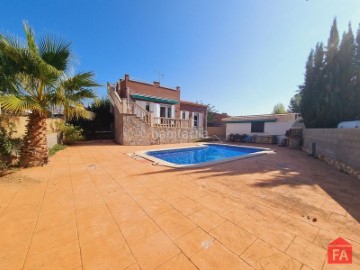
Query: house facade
x,y
153,114
263,125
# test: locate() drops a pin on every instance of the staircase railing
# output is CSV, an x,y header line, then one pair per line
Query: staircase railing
x,y
114,98
140,112
124,106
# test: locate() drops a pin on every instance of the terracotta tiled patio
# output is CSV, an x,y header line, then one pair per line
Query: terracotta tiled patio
x,y
94,207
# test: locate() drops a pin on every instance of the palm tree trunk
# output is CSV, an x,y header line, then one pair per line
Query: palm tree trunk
x,y
35,150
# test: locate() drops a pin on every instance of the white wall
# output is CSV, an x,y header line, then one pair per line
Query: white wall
x,y
271,128
277,128
238,128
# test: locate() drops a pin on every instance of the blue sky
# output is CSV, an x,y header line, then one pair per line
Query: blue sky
x,y
242,56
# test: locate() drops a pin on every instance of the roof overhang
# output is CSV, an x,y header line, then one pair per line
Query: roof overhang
x,y
154,99
250,121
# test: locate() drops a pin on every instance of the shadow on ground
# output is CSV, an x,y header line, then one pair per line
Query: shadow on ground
x,y
288,178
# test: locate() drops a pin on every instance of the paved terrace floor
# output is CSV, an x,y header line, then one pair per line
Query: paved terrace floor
x,y
94,207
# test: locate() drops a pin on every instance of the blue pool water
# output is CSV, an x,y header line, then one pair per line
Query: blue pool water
x,y
206,153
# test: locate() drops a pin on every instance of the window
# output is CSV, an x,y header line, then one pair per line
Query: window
x,y
196,119
162,112
183,115
257,127
147,107
169,112
165,111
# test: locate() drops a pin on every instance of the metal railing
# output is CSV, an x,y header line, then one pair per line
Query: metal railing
x,y
217,137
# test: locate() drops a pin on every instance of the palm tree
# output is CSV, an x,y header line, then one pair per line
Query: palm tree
x,y
43,81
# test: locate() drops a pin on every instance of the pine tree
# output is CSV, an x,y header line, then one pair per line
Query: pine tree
x,y
330,92
356,74
295,103
306,90
346,101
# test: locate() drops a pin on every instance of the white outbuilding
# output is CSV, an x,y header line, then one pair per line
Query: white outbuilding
x,y
265,125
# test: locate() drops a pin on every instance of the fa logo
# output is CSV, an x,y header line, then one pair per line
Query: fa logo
x,y
339,252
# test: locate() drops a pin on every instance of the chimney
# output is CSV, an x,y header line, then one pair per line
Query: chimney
x,y
126,77
157,84
177,88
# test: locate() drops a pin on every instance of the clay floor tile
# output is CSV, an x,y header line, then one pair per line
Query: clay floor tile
x,y
138,228
15,237
233,237
63,257
206,219
307,253
261,255
106,252
194,241
13,261
216,256
178,262
52,238
174,224
55,219
214,204
154,250
187,206
298,227
91,232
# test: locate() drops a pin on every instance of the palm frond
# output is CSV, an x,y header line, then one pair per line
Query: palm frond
x,y
79,81
27,61
55,52
16,104
30,37
77,111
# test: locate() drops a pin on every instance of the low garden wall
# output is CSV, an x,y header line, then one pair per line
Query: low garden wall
x,y
218,131
52,139
339,147
21,121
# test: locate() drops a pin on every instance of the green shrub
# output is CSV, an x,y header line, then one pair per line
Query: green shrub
x,y
55,148
71,133
9,147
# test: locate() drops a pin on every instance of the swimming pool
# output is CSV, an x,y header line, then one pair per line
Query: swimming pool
x,y
202,154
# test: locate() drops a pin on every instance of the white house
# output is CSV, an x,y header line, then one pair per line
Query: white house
x,y
265,124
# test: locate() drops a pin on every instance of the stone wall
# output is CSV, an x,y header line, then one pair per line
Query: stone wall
x,y
131,130
339,147
165,135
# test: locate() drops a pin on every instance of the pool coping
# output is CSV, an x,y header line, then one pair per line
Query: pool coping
x,y
157,161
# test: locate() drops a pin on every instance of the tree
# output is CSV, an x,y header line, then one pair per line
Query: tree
x,y
7,74
347,102
211,111
43,80
102,121
279,108
331,89
295,103
356,79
